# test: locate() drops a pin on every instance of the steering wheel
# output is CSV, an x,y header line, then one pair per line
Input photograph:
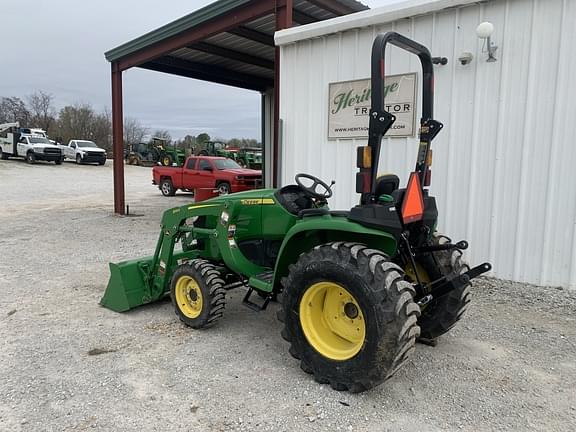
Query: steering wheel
x,y
311,190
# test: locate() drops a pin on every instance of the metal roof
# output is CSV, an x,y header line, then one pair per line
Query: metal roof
x,y
242,55
384,14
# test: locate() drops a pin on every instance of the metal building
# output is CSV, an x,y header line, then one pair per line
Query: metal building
x,y
503,165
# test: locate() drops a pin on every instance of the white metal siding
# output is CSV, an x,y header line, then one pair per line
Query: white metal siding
x,y
503,169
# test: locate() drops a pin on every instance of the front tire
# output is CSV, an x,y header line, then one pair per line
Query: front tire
x,y
356,343
224,188
58,161
30,157
167,188
198,294
78,159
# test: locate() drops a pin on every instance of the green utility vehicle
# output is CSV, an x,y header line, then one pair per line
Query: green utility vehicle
x,y
358,287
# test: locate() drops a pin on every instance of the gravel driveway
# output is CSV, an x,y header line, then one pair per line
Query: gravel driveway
x,y
67,364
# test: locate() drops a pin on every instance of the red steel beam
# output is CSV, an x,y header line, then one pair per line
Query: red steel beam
x,y
117,140
249,12
283,20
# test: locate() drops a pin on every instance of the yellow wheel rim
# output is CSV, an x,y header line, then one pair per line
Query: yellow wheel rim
x,y
166,161
188,297
332,321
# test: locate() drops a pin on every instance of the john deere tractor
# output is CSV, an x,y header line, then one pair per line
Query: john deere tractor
x,y
168,155
357,288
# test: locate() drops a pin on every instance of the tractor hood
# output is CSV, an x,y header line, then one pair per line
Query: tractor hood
x,y
246,195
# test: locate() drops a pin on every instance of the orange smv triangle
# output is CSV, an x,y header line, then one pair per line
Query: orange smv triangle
x,y
413,205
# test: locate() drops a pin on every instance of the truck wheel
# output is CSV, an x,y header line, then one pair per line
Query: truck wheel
x,y
349,315
102,162
441,314
167,188
58,161
224,188
3,155
78,159
30,157
198,294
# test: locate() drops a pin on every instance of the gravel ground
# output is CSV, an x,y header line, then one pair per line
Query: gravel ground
x,y
67,364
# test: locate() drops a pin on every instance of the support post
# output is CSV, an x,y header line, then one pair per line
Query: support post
x,y
284,13
118,140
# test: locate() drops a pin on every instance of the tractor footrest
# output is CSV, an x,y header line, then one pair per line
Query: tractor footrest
x,y
255,306
263,283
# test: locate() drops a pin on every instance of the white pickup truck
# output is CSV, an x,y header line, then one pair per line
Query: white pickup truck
x,y
83,151
34,146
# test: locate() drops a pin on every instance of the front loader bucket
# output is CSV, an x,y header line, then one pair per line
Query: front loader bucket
x,y
127,287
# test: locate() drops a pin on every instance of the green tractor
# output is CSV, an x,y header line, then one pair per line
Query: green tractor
x,y
218,148
356,288
250,157
142,154
168,155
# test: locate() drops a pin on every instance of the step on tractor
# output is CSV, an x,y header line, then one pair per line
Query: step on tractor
x,y
356,289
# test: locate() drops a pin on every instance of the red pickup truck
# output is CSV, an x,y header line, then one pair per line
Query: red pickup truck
x,y
206,172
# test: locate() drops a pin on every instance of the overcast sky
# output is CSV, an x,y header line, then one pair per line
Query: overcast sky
x,y
58,46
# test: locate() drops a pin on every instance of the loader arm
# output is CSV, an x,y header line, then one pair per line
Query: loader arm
x,y
141,281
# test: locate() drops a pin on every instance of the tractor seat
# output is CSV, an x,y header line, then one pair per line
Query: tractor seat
x,y
386,184
293,199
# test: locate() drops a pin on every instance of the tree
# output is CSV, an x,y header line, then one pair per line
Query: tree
x,y
202,139
42,111
75,122
164,134
80,121
134,132
13,109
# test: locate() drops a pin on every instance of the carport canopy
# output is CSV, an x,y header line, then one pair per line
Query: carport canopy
x,y
228,42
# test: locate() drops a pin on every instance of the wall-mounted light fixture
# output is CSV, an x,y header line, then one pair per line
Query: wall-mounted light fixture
x,y
484,31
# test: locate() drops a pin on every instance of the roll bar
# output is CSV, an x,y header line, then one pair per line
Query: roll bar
x,y
381,120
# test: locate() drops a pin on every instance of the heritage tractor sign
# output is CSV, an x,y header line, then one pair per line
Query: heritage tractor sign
x,y
350,103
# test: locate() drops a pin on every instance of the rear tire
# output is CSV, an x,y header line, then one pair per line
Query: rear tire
x,y
167,188
378,315
441,314
3,155
30,157
198,294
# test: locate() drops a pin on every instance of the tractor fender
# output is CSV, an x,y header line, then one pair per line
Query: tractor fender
x,y
311,232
